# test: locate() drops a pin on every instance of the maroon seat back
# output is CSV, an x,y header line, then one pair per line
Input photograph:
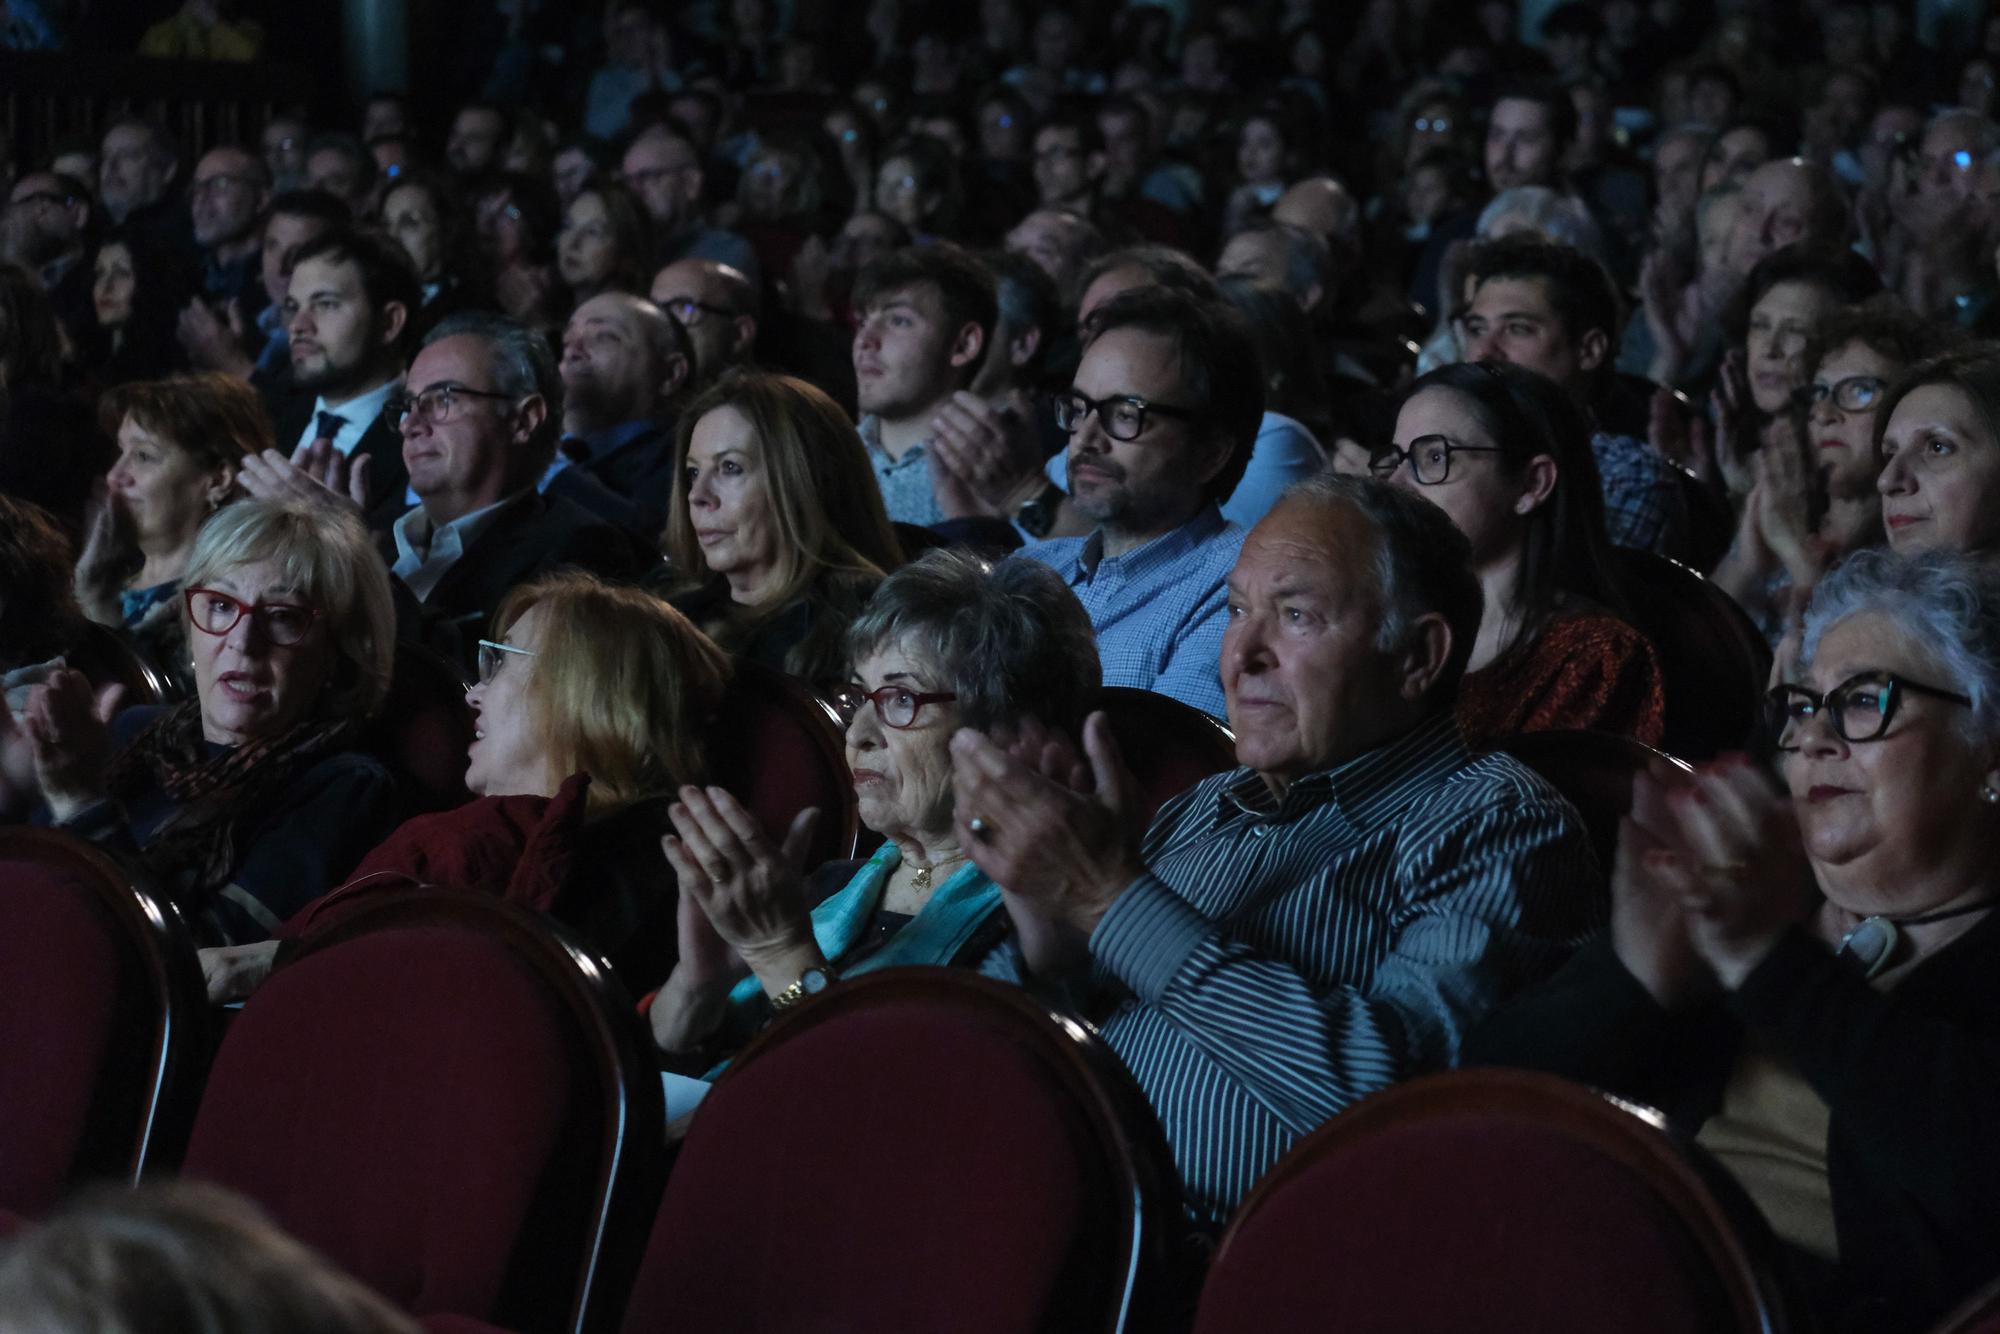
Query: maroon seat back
x,y
425,727
1169,746
1979,1315
918,1149
779,748
1488,1199
1594,770
450,1101
1714,662
102,1014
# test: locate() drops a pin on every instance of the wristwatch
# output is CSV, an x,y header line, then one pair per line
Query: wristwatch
x,y
811,982
1038,515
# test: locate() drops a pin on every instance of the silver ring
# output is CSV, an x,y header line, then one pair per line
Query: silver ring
x,y
980,829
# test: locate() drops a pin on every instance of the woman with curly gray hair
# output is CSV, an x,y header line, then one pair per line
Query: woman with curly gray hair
x,y
946,642
1806,980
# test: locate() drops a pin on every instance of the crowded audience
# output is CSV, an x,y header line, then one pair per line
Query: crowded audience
x,y
1350,383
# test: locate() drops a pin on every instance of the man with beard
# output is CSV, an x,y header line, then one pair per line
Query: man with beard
x,y
347,311
226,200
44,228
1161,415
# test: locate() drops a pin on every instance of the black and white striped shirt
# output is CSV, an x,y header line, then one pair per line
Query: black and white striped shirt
x,y
1284,958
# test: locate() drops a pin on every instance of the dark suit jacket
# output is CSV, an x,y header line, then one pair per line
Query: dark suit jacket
x,y
629,486
388,479
532,536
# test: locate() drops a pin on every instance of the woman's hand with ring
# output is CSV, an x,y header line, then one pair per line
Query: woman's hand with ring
x,y
751,892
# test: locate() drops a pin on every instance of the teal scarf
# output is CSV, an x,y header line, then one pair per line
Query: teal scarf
x,y
934,936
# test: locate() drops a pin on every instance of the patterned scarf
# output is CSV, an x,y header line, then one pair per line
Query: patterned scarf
x,y
193,853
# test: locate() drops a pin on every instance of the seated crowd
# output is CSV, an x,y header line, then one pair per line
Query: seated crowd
x,y
1372,415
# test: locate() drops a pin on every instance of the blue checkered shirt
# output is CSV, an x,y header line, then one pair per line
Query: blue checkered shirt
x,y
1643,507
1284,957
906,482
1159,609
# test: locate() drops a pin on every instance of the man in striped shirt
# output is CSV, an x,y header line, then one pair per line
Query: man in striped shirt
x,y
1334,916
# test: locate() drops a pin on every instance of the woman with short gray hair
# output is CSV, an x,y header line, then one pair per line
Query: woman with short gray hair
x,y
946,642
1807,980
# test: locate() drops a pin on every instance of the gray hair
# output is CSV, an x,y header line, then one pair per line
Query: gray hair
x,y
523,362
325,555
1423,565
1009,639
1945,603
1308,259
1560,218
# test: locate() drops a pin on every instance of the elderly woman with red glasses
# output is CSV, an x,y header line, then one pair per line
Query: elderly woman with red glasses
x,y
252,798
1806,981
946,642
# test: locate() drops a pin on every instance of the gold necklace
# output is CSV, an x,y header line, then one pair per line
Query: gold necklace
x,y
920,876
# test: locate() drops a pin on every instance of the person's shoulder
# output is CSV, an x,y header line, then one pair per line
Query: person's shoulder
x,y
351,767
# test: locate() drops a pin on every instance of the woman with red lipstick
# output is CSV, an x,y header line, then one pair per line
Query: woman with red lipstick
x,y
1938,437
1806,982
1810,508
180,443
776,530
251,798
947,642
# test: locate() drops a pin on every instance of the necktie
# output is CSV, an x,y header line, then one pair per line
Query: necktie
x,y
329,424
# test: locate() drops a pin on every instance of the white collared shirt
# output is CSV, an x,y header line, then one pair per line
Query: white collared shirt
x,y
358,414
424,553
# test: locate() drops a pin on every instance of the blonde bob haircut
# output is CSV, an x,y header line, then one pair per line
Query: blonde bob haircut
x,y
825,502
324,559
622,688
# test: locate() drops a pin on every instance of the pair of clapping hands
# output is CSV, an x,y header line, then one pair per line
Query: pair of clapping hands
x,y
315,474
987,457
1710,872
58,742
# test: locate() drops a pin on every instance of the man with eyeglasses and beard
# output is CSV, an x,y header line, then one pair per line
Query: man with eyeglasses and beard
x,y
1161,415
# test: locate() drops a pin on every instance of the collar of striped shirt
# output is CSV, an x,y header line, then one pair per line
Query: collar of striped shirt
x,y
1372,787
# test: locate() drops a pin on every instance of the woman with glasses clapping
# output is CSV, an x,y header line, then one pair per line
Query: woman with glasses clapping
x,y
1506,453
946,642
252,798
1806,981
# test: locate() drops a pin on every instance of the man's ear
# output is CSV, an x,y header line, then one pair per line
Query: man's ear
x,y
1591,349
534,410
968,344
395,315
676,374
1424,656
746,335
1025,344
1093,166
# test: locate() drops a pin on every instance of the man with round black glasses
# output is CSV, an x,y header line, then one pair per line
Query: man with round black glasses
x,y
1161,417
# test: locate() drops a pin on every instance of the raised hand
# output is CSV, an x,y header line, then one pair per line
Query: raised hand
x,y
992,452
752,892
69,729
315,475
1648,920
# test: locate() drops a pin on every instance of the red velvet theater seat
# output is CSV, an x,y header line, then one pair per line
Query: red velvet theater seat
x,y
1713,661
918,1149
450,1101
1169,746
1488,1199
101,1017
779,748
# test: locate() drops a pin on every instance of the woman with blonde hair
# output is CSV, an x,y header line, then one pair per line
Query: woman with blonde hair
x,y
776,530
591,708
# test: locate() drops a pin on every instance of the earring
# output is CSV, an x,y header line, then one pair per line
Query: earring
x,y
1990,795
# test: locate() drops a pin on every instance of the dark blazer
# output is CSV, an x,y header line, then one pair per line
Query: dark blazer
x,y
532,536
630,486
1911,1077
381,445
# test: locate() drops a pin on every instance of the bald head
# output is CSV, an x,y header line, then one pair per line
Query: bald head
x,y
623,359
1323,206
717,305
1783,203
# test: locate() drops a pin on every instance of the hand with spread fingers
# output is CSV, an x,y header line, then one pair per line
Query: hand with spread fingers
x,y
752,893
1067,854
313,477
992,451
1648,921
1735,862
69,727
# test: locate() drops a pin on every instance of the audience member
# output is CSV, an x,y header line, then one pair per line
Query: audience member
x,y
604,245
434,225
137,165
248,800
946,642
1162,415
1287,938
340,165
46,229
1506,453
347,318
181,444
225,339
1812,969
664,169
178,1255
625,363
517,221
479,134
227,197
717,306
777,535
1938,436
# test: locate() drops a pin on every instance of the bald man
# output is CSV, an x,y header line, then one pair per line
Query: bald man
x,y
625,363
717,305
